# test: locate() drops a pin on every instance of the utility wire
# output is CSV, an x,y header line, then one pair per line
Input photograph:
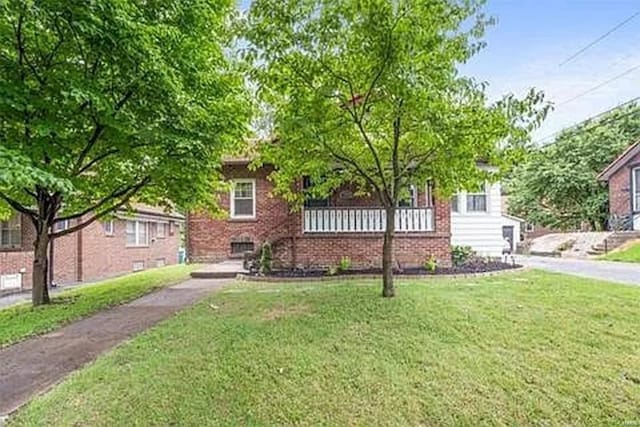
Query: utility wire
x,y
599,39
599,86
596,124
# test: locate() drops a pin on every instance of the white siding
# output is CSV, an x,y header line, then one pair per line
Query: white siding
x,y
481,230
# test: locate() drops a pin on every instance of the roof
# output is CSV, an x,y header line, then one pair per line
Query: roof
x,y
153,211
513,218
624,158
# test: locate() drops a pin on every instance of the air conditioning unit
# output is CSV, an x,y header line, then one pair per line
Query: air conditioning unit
x,y
11,281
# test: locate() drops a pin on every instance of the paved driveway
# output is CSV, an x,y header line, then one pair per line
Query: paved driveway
x,y
620,272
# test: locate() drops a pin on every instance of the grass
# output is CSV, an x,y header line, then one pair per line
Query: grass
x,y
22,320
629,254
526,348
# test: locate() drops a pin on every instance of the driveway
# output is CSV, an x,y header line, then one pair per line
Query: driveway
x,y
626,273
32,366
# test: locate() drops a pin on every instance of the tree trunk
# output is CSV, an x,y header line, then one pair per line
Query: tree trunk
x,y
387,255
40,288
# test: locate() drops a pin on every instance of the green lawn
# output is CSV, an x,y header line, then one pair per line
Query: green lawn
x,y
21,321
527,348
630,254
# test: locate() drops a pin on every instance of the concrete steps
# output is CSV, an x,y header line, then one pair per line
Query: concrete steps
x,y
614,241
223,270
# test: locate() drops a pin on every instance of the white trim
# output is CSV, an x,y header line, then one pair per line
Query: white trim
x,y
252,181
136,231
112,227
635,192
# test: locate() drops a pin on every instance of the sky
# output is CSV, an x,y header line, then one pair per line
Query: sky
x,y
533,37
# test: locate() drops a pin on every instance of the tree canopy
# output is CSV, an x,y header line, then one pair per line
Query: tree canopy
x,y
369,92
557,185
106,101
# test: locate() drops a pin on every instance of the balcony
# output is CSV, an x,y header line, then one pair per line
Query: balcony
x,y
365,220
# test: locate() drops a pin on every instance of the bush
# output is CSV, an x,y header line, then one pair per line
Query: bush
x,y
431,264
333,270
461,254
266,258
345,263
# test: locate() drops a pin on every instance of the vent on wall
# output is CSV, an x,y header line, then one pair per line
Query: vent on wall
x,y
160,262
10,281
138,266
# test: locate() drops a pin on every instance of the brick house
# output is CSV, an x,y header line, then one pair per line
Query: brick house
x,y
323,231
623,178
129,242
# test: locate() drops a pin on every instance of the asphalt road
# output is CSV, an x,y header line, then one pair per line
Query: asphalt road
x,y
626,273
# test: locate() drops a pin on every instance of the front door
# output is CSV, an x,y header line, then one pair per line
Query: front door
x,y
507,233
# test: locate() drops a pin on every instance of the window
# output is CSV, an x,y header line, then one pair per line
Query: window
x,y
161,230
477,202
137,233
455,204
635,187
242,247
138,266
529,228
411,201
108,227
10,232
243,199
309,201
61,225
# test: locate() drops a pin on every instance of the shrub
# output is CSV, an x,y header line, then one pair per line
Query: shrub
x,y
345,263
266,258
431,264
461,254
333,270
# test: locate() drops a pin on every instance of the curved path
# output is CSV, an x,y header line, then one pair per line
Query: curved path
x,y
620,272
32,366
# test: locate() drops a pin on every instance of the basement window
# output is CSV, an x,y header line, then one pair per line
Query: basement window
x,y
242,247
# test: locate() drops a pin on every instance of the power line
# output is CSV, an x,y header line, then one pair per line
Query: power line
x,y
599,39
599,86
596,123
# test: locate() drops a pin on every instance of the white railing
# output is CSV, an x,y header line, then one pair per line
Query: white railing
x,y
365,220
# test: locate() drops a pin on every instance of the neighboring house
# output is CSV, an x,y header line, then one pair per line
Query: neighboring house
x,y
477,220
343,225
623,178
147,238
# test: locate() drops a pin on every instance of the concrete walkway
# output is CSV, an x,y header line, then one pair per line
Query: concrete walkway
x,y
32,366
620,272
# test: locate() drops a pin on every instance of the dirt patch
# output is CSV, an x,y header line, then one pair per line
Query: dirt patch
x,y
282,311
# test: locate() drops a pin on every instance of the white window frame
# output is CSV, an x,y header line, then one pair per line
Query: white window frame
x,y
164,227
136,229
635,192
529,228
109,227
61,225
12,224
232,204
484,193
457,197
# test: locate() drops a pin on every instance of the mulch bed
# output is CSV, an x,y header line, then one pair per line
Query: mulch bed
x,y
469,268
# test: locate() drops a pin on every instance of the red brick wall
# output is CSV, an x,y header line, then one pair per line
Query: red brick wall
x,y
105,255
209,239
620,189
102,256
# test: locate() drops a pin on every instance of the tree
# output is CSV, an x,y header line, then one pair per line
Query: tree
x,y
107,101
557,186
369,92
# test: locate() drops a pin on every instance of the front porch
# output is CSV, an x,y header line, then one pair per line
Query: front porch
x,y
366,220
